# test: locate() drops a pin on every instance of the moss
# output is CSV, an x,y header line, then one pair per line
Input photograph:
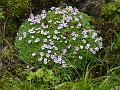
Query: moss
x,y
111,12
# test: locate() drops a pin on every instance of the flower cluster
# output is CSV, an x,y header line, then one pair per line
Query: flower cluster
x,y
53,35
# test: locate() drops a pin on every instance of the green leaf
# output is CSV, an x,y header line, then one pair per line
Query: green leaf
x,y
39,73
31,76
49,74
1,16
118,10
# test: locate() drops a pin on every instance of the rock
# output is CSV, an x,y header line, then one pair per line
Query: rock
x,y
92,7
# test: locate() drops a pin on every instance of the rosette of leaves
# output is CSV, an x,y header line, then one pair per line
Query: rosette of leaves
x,y
59,37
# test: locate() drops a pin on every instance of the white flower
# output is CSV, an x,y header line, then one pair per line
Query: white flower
x,y
79,25
45,33
76,35
38,19
64,37
49,51
50,40
64,65
41,54
73,33
47,55
91,50
94,35
81,47
52,8
42,47
31,23
77,49
45,40
52,56
37,40
45,27
90,30
33,54
68,18
60,27
40,59
45,45
69,7
43,16
49,47
58,38
62,12
45,60
42,31
76,10
59,59
31,18
84,32
69,46
84,41
49,21
55,37
55,48
85,36
74,52
20,38
100,44
100,38
24,34
56,32
51,43
29,41
96,49
64,51
48,32
48,36
87,46
80,57
62,21
64,25
43,11
31,30
42,25
57,9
